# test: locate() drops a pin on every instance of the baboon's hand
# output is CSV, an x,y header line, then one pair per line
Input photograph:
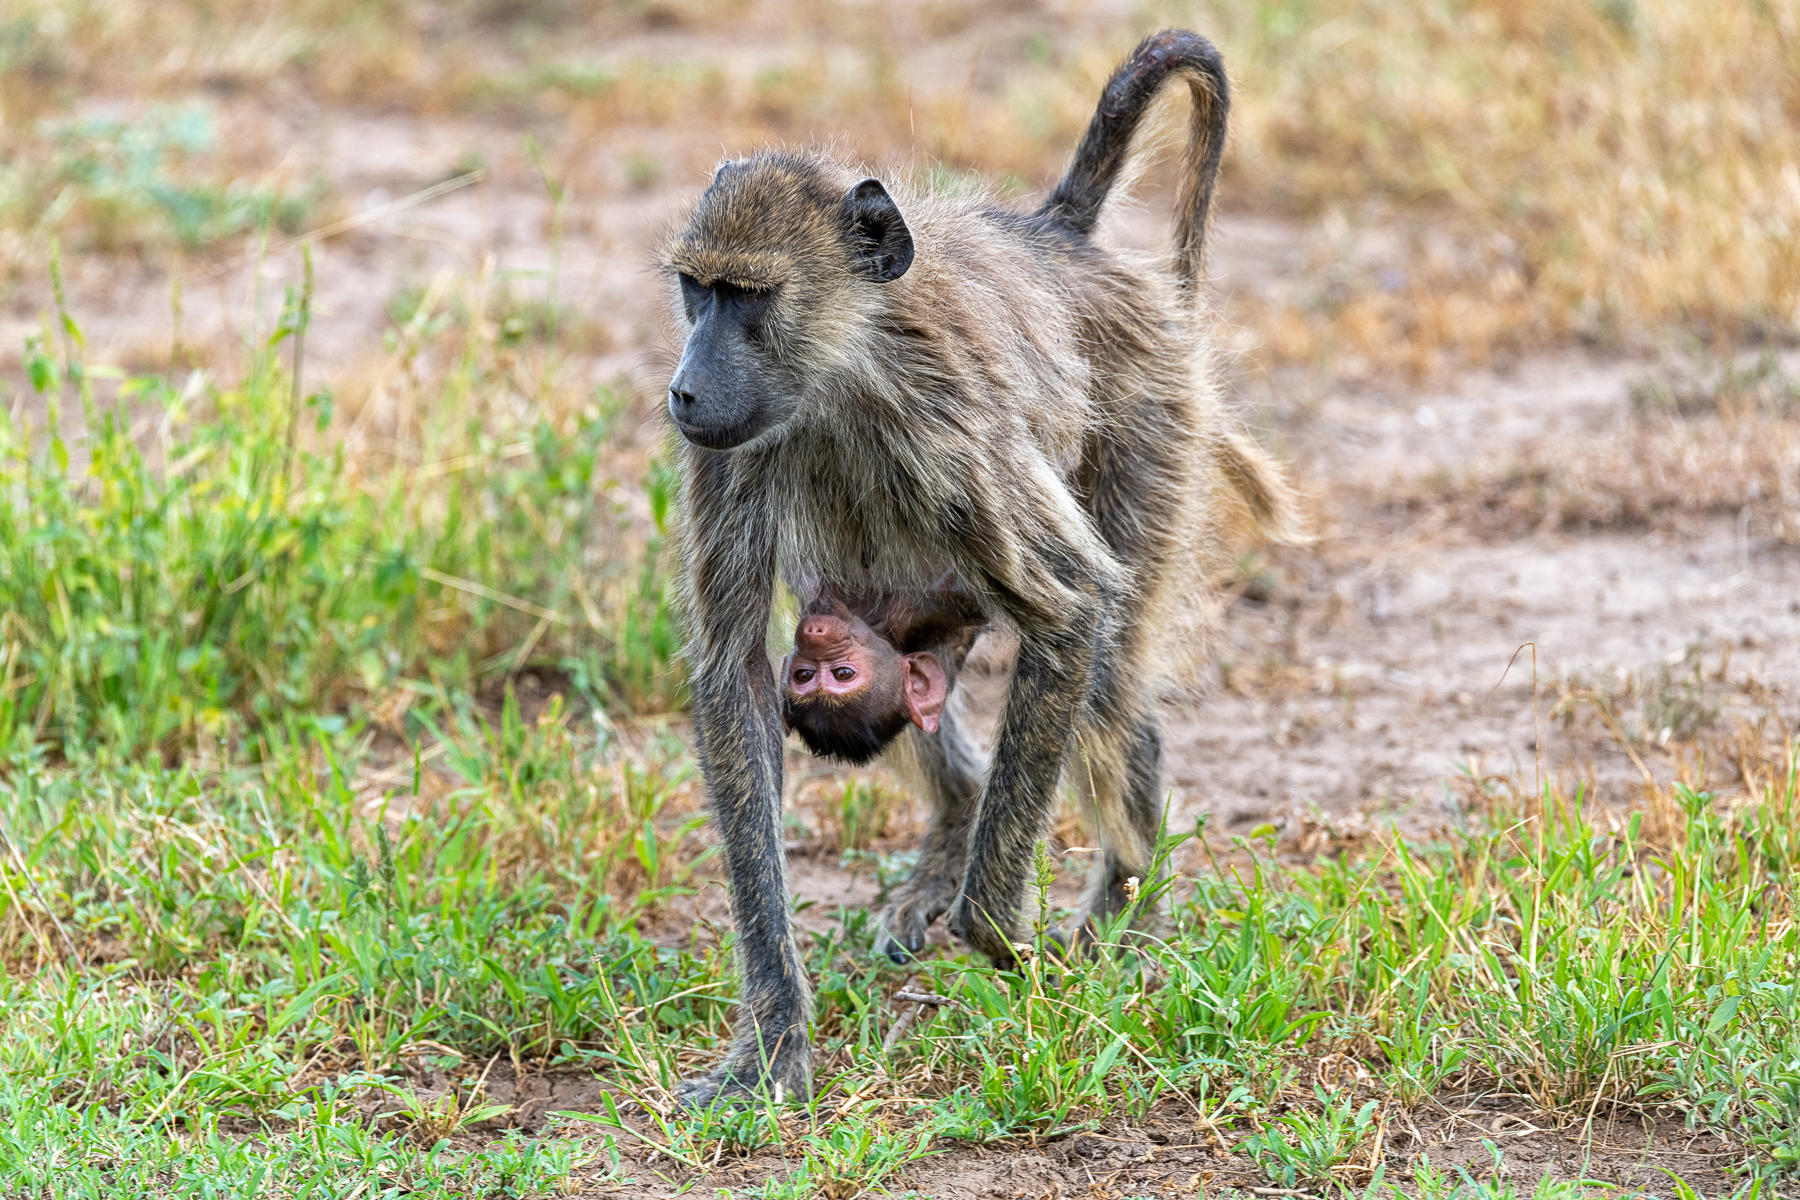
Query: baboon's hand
x,y
980,927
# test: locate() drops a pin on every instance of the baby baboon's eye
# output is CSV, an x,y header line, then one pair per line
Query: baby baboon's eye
x,y
843,674
804,674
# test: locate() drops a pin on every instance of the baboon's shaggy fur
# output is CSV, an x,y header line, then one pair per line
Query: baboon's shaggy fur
x,y
1022,406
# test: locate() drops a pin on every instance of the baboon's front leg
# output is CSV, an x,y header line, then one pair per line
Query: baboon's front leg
x,y
1048,689
948,765
738,729
740,753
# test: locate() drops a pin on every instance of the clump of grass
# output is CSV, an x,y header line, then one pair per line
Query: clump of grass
x,y
854,816
181,564
1316,1148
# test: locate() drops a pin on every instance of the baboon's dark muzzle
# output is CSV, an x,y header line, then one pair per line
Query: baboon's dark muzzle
x,y
714,401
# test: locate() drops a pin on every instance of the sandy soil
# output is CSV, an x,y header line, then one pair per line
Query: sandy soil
x,y
1395,635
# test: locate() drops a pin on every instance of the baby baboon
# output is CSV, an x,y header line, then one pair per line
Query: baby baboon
x,y
876,390
859,675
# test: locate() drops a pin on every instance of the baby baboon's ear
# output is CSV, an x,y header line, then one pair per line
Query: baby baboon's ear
x,y
878,234
926,689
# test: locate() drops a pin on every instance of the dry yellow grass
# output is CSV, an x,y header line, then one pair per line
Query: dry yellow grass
x,y
1602,167
1653,476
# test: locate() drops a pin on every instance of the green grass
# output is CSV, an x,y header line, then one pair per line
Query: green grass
x,y
193,569
291,863
215,972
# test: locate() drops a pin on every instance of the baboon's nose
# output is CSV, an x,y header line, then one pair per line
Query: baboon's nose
x,y
681,403
820,637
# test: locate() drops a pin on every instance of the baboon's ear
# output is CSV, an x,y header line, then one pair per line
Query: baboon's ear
x,y
925,688
878,234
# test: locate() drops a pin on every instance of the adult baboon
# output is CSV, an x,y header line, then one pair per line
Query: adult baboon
x,y
874,391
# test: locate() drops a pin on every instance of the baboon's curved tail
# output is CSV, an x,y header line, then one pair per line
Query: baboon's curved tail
x,y
1256,479
1106,145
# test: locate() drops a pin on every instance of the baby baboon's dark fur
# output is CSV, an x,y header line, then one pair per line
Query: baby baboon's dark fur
x,y
876,391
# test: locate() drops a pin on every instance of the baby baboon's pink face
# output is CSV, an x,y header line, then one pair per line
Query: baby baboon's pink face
x,y
832,655
838,661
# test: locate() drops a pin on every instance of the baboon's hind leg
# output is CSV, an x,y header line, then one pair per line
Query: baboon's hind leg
x,y
949,766
1123,767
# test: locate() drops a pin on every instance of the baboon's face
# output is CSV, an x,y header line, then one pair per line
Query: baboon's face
x,y
726,388
768,247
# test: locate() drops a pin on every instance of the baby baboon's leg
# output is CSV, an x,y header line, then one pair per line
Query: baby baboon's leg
x,y
948,767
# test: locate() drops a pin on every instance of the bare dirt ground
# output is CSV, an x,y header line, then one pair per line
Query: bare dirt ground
x,y
1361,681
1395,635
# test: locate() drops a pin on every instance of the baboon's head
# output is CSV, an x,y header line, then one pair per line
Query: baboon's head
x,y
848,693
770,267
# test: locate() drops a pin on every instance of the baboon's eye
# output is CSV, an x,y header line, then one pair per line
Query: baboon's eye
x,y
691,294
804,674
843,674
752,302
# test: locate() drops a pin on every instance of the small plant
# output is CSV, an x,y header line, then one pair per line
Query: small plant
x,y
860,815
430,1119
1304,1147
847,1159
1677,705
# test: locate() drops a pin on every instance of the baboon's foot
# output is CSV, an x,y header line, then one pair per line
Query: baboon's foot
x,y
921,900
745,1079
984,928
